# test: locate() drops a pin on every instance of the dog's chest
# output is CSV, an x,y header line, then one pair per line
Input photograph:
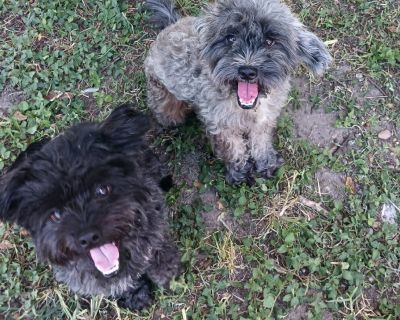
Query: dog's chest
x,y
84,281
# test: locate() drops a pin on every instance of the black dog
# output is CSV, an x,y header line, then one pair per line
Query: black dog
x,y
92,200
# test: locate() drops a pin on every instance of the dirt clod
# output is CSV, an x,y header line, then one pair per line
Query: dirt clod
x,y
331,183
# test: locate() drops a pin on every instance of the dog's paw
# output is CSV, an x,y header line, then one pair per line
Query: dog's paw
x,y
165,264
137,299
267,167
237,174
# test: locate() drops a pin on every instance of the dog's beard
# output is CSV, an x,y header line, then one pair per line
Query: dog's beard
x,y
247,93
105,257
56,245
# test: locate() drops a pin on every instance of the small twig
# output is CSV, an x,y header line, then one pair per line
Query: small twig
x,y
313,205
398,209
378,87
377,97
221,219
237,297
290,189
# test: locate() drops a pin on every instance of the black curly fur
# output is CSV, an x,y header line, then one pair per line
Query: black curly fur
x,y
63,174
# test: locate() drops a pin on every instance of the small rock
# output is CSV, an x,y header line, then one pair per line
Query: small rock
x,y
388,213
384,135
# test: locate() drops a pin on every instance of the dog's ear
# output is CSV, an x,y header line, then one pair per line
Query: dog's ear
x,y
12,181
313,52
27,154
125,127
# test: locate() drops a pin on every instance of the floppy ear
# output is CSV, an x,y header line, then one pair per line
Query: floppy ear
x,y
125,127
14,179
30,150
313,52
10,183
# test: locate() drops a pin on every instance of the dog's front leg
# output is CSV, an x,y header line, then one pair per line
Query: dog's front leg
x,y
231,147
165,264
267,159
139,296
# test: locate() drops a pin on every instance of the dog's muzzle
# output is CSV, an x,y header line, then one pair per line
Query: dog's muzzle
x,y
247,89
247,94
106,259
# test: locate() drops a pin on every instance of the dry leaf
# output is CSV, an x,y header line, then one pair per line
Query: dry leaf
x,y
89,90
312,204
350,185
24,233
197,184
5,245
392,29
371,158
377,224
19,116
54,95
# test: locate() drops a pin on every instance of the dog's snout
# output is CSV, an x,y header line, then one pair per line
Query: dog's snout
x,y
248,73
89,238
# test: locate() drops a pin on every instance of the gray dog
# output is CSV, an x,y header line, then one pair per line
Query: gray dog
x,y
232,66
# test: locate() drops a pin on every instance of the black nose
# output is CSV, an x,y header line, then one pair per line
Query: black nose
x,y
89,238
247,73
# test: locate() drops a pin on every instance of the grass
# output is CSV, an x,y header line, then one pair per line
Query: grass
x,y
281,248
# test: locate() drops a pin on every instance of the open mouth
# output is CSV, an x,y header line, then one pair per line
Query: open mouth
x,y
106,259
247,94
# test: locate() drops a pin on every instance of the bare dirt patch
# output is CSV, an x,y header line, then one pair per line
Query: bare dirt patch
x,y
312,122
298,313
217,217
309,108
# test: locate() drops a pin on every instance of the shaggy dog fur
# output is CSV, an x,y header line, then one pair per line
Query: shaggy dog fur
x,y
92,200
232,66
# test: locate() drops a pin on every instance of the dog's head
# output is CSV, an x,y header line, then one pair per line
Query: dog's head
x,y
253,45
91,193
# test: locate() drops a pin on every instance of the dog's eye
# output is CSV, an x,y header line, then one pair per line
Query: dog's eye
x,y
56,215
269,42
103,191
230,38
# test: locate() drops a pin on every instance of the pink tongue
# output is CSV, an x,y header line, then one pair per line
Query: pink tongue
x,y
247,92
105,258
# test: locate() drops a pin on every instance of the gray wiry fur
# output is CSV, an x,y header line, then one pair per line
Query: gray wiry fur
x,y
195,62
